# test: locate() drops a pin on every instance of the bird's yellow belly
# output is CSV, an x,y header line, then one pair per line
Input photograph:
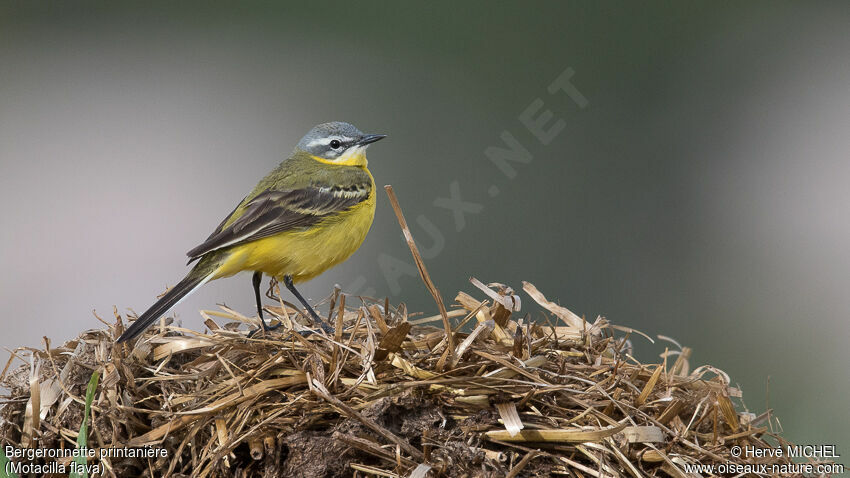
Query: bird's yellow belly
x,y
306,253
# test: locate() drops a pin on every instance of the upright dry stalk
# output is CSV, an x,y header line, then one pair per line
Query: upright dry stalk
x,y
423,272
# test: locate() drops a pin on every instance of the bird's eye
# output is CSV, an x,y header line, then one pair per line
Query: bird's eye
x,y
335,144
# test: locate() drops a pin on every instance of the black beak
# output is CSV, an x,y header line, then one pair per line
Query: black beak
x,y
370,138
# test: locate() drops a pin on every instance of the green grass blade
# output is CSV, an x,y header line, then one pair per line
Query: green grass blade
x,y
4,465
82,439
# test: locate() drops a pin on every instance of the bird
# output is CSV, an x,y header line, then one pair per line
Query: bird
x,y
307,215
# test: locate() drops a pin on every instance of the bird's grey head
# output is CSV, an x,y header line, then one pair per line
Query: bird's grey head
x,y
336,141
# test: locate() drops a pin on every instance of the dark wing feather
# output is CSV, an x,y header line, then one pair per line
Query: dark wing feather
x,y
215,231
274,211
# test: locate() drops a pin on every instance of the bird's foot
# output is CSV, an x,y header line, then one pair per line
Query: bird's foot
x,y
307,332
304,333
321,323
287,281
264,327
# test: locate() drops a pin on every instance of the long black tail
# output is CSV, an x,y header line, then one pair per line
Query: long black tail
x,y
166,302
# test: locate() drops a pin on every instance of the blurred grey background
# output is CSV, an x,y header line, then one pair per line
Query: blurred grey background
x,y
701,193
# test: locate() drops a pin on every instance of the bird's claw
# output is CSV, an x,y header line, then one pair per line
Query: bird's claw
x,y
304,333
264,327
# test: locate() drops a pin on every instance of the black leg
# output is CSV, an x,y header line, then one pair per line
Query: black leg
x,y
287,281
258,277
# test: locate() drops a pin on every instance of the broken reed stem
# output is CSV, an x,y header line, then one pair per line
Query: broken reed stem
x,y
423,272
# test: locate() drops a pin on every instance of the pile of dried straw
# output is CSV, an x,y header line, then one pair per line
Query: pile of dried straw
x,y
387,395
487,392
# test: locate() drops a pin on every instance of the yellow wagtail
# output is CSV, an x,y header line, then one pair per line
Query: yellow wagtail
x,y
309,214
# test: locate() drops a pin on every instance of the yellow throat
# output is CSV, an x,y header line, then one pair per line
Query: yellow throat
x,y
355,156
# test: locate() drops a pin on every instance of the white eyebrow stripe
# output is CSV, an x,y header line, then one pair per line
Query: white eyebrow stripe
x,y
322,141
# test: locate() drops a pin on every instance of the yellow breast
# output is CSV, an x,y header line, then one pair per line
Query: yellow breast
x,y
304,254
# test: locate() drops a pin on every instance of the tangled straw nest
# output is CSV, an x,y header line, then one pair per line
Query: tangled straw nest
x,y
384,396
489,393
